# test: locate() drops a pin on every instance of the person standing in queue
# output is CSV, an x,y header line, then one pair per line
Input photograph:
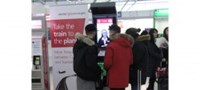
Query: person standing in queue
x,y
139,68
118,58
154,58
85,59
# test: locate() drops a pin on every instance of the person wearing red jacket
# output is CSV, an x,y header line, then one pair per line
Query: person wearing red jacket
x,y
118,58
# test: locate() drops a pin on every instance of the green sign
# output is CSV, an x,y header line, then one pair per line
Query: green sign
x,y
161,13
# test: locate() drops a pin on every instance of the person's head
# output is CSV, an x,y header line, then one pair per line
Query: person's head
x,y
114,29
144,33
165,33
90,30
133,32
104,33
153,34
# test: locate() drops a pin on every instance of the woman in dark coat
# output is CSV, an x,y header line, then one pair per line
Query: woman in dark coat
x,y
140,58
154,58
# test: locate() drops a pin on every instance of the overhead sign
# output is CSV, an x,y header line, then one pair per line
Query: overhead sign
x,y
161,13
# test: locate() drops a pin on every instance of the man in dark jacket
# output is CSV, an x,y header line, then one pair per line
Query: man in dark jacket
x,y
85,59
138,69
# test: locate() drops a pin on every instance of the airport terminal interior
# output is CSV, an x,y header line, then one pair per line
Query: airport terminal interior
x,y
56,22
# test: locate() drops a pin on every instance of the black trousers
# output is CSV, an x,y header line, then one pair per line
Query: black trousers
x,y
117,88
151,82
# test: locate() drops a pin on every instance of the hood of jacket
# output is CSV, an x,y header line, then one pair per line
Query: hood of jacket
x,y
83,40
124,40
143,38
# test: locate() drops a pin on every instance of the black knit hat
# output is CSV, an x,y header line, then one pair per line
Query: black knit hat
x,y
115,27
133,32
90,27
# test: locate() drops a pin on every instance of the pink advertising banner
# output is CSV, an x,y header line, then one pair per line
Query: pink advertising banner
x,y
65,22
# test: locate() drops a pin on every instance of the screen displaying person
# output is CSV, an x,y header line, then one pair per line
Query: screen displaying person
x,y
104,40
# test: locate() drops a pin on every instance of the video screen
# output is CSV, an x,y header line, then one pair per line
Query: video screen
x,y
103,32
36,60
36,24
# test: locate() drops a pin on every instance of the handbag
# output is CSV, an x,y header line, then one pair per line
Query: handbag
x,y
162,70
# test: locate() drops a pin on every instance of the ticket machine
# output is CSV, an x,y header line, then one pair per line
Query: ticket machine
x,y
103,16
40,71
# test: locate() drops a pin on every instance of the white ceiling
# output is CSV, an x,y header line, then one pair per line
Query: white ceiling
x,y
121,5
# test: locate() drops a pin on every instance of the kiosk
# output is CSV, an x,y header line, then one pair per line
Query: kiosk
x,y
103,15
40,72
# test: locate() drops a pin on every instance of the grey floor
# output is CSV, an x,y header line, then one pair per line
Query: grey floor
x,y
143,87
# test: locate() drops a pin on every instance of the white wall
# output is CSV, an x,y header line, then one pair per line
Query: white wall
x,y
160,24
142,5
38,8
136,23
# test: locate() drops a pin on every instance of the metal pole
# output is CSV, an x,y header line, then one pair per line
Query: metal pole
x,y
124,5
